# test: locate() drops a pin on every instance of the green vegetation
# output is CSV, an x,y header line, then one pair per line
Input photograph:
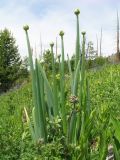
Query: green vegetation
x,y
97,62
11,65
15,138
9,60
60,115
79,119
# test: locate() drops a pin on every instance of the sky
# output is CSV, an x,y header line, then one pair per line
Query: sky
x,y
47,17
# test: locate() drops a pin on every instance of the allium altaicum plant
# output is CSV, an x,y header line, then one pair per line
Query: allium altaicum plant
x,y
50,103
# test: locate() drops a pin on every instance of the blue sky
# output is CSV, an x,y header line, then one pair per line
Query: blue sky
x,y
48,17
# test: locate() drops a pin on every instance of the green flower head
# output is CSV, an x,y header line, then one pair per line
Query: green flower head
x,y
26,28
83,33
61,33
51,44
77,12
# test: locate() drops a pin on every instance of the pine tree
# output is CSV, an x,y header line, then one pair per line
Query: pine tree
x,y
10,60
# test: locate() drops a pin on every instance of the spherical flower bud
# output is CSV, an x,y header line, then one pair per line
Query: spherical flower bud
x,y
83,33
61,33
77,12
26,28
51,44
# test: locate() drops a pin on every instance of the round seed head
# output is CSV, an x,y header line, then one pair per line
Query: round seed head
x,y
47,51
26,28
83,33
77,12
61,33
51,44
59,55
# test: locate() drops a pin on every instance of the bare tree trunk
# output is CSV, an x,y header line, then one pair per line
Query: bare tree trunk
x,y
97,44
118,52
101,43
35,51
41,50
56,48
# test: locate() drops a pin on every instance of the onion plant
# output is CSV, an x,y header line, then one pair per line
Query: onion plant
x,y
77,57
39,129
44,91
50,102
62,85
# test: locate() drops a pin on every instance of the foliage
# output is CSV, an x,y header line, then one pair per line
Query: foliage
x,y
104,87
65,119
24,68
97,62
77,122
47,60
10,127
47,63
9,60
91,53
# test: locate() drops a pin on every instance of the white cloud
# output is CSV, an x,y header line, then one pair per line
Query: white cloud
x,y
15,15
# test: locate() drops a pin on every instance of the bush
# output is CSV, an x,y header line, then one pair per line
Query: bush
x,y
99,61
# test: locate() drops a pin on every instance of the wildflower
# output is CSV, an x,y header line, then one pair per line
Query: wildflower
x,y
73,99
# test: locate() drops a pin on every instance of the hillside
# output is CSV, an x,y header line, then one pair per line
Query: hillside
x,y
14,135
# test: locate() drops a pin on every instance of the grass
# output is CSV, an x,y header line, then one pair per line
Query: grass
x,y
105,92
